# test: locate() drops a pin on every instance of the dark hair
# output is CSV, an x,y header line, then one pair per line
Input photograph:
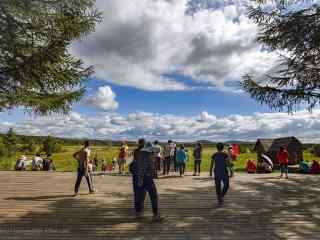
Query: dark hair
x,y
282,148
156,142
141,142
38,155
86,143
49,155
182,147
220,146
169,141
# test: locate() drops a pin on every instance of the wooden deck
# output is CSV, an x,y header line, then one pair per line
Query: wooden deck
x,y
37,205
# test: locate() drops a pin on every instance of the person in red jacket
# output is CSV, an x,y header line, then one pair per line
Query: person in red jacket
x,y
251,166
283,159
315,167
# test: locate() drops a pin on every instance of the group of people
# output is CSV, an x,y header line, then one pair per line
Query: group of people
x,y
38,163
145,162
171,157
313,168
265,165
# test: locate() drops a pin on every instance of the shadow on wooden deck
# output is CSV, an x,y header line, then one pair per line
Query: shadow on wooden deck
x,y
256,208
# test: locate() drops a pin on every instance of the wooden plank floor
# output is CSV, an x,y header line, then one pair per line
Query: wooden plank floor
x,y
37,205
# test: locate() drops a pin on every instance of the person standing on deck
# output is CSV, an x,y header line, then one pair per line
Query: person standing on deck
x,y
197,155
283,159
231,159
181,159
142,167
133,170
220,161
123,153
83,157
157,158
168,153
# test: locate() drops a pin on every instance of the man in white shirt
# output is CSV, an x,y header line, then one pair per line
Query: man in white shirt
x,y
37,162
168,153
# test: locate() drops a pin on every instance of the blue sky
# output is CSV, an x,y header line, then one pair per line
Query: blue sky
x,y
170,69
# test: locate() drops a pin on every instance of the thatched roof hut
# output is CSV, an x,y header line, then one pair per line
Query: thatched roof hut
x,y
270,147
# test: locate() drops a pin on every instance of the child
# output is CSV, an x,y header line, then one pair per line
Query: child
x,y
220,161
181,159
283,159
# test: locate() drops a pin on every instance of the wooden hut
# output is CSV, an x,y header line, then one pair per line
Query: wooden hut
x,y
262,146
270,147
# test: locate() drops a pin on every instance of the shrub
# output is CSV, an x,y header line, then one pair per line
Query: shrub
x,y
51,145
316,150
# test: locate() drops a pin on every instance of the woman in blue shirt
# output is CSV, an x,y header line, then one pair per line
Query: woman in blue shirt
x,y
181,159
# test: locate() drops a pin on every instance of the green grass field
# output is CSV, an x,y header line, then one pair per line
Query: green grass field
x,y
65,162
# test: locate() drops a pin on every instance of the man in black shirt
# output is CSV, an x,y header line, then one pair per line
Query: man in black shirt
x,y
142,169
220,162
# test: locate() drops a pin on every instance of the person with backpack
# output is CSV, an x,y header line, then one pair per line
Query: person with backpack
x,y
197,155
123,153
220,161
142,171
83,158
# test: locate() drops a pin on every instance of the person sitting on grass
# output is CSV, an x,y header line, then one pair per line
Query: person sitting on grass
x,y
304,166
181,159
52,167
21,164
315,167
251,166
45,162
36,162
220,161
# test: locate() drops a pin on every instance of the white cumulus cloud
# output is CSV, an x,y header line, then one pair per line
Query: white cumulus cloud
x,y
145,43
103,99
111,125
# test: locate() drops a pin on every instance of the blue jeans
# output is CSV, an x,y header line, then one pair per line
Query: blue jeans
x,y
221,191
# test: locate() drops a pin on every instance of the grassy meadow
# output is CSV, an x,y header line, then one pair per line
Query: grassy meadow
x,y
65,162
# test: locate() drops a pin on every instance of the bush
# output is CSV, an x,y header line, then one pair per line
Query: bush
x,y
10,142
29,148
51,145
3,149
316,150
